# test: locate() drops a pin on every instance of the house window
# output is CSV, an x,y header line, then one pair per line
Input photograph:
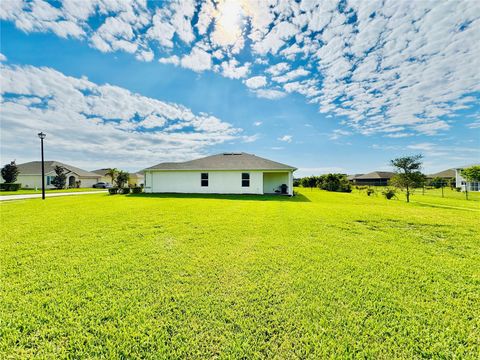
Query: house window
x,y
245,180
50,179
204,179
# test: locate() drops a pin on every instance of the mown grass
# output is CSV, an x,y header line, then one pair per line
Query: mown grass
x,y
433,197
39,191
170,276
430,192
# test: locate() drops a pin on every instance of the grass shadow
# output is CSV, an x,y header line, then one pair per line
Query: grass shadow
x,y
246,197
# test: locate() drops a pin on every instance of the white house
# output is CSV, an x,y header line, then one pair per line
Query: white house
x,y
227,173
460,182
30,175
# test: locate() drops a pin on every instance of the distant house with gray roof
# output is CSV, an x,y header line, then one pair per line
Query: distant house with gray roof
x,y
445,174
375,178
30,175
226,173
134,179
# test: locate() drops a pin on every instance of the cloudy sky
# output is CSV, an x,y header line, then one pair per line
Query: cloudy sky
x,y
327,85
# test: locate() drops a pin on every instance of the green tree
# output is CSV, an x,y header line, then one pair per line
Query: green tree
x,y
122,178
408,175
10,172
334,182
470,174
60,179
112,172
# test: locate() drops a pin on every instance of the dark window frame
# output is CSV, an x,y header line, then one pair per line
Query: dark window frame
x,y
245,179
204,179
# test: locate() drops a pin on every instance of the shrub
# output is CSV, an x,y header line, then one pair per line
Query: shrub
x,y
122,178
334,182
389,193
370,191
137,190
458,189
60,179
10,173
10,187
113,190
125,190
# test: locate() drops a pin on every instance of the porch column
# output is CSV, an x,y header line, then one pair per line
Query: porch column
x,y
290,183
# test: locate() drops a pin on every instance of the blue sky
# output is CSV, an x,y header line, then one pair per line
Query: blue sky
x,y
335,86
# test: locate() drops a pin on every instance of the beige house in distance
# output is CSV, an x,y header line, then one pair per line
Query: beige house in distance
x,y
135,179
30,175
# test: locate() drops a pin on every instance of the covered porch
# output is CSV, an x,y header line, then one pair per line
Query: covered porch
x,y
278,182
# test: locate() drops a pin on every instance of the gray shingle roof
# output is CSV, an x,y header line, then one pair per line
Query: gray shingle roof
x,y
376,175
100,172
449,173
224,161
35,168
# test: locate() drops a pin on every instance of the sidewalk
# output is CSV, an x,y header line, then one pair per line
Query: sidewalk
x,y
36,196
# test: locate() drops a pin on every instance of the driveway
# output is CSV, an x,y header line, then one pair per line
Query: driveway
x,y
36,196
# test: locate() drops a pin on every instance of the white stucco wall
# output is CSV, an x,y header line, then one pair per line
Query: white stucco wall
x,y
35,181
219,182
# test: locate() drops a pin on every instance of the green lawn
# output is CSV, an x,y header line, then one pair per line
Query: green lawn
x,y
321,275
39,191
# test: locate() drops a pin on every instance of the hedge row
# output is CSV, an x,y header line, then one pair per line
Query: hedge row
x,y
115,190
10,186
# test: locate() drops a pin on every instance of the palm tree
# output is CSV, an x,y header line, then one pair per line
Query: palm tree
x,y
122,178
112,172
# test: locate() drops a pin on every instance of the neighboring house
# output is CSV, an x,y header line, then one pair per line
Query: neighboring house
x,y
135,179
351,178
376,178
445,174
462,183
30,175
227,173
104,177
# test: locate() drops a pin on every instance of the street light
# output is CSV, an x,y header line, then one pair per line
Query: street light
x,y
42,136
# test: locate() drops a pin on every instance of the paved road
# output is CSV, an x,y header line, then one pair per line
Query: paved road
x,y
35,196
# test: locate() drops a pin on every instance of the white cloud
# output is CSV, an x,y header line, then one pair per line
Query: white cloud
x,y
170,60
286,138
432,128
291,75
145,55
270,94
250,138
257,123
256,82
277,69
83,119
3,58
446,152
338,133
198,60
233,70
377,65
474,125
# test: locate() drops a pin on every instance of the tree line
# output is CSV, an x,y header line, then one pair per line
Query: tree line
x,y
408,176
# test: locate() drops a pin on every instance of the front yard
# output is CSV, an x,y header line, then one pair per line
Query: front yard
x,y
177,276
